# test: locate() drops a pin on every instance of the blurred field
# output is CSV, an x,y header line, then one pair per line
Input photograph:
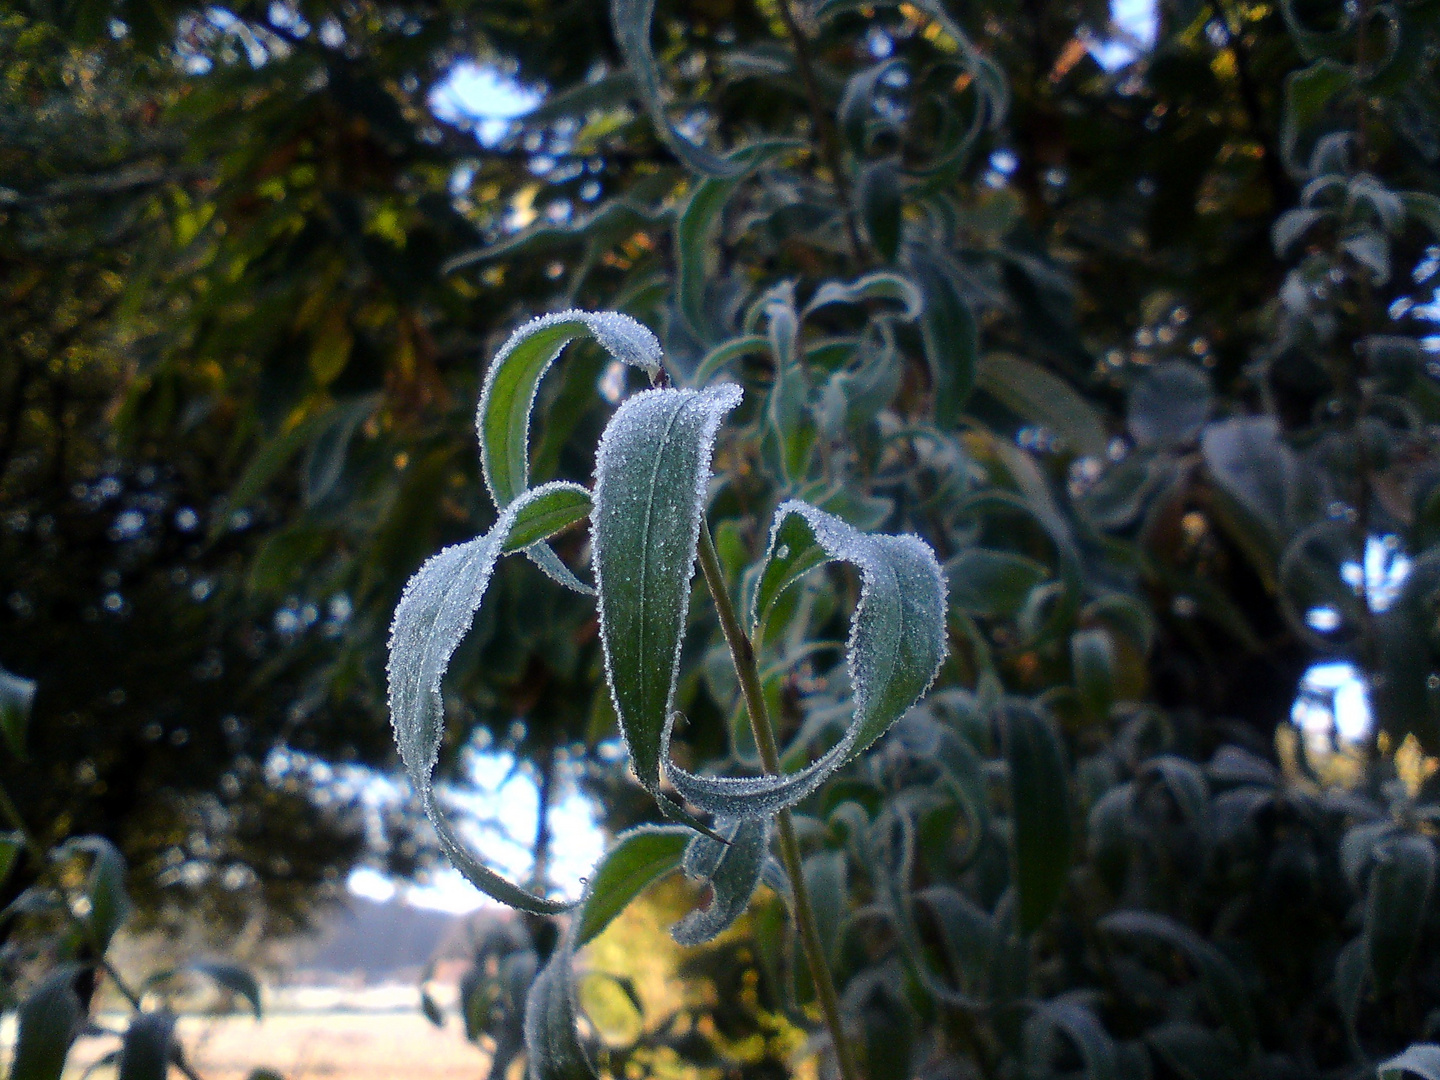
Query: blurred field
x,y
397,1045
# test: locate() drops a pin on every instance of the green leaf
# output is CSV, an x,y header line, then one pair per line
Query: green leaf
x,y
720,357
325,460
695,231
1169,405
880,206
630,20
878,285
992,583
639,858
1351,968
825,882
104,886
148,1048
1194,1052
856,113
552,509
732,869
431,1008
1308,94
950,333
11,845
1033,394
17,697
1083,1028
232,977
552,1042
651,472
49,1019
897,644
1424,207
1397,903
433,615
1422,1059
272,456
507,400
1039,810
1224,991
1092,657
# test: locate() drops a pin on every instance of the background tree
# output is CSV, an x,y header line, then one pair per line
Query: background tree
x,y
1151,382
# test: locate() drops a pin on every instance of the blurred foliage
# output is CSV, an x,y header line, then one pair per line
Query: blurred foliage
x,y
1166,384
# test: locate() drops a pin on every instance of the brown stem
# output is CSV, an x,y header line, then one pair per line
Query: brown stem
x,y
742,653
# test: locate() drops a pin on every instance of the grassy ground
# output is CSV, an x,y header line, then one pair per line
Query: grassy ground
x,y
312,1046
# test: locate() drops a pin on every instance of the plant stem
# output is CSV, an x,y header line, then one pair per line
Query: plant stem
x,y
742,653
11,813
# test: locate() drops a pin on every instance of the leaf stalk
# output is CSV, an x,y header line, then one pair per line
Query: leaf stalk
x,y
742,654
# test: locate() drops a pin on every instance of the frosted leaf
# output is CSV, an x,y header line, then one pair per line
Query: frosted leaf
x,y
552,1042
651,472
639,858
733,872
881,285
507,399
433,616
896,647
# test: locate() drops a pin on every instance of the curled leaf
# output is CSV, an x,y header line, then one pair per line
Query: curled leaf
x,y
507,401
148,1048
896,646
630,20
733,870
432,617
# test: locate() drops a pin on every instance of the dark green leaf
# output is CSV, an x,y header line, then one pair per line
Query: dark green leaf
x,y
1033,394
950,333
650,475
1224,990
109,901
1396,904
639,858
733,871
148,1048
1039,810
49,1020
695,232
880,206
507,400
17,695
1169,405
992,583
630,20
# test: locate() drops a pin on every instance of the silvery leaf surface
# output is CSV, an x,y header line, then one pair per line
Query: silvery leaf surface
x,y
651,473
896,646
507,401
733,871
434,614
